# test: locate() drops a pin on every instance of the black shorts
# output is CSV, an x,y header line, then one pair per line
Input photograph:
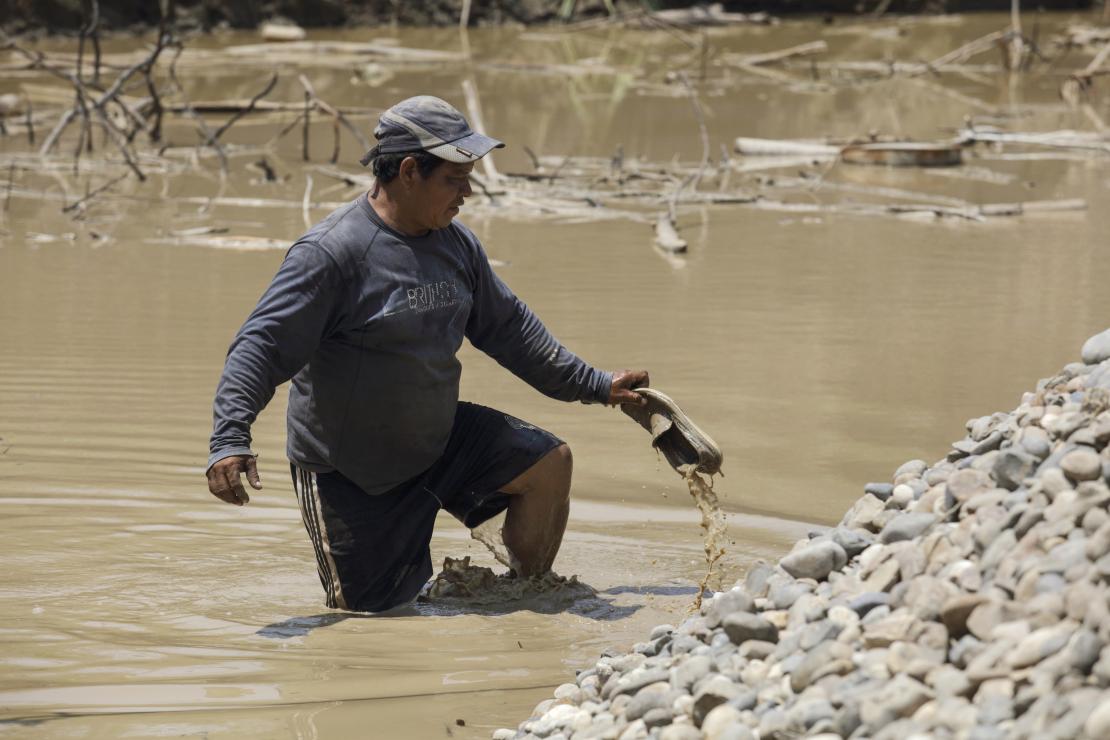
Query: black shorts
x,y
372,552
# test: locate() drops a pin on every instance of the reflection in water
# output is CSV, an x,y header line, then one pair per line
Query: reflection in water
x,y
591,607
822,353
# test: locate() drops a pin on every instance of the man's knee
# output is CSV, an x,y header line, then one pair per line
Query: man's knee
x,y
550,473
560,466
562,458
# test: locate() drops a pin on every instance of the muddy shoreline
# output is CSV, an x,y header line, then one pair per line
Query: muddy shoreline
x,y
66,16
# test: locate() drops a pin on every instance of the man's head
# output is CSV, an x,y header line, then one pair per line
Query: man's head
x,y
425,153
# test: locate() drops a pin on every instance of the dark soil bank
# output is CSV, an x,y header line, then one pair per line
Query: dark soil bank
x,y
62,15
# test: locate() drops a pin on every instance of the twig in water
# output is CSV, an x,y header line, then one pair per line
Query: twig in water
x,y
80,203
474,108
11,181
702,131
307,120
337,116
970,49
881,9
120,142
305,202
482,185
1017,40
535,160
205,131
91,29
56,132
250,107
558,169
30,125
155,131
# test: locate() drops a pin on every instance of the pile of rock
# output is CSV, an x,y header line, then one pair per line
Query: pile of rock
x,y
969,598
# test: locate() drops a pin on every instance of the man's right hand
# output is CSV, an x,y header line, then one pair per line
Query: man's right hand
x,y
224,481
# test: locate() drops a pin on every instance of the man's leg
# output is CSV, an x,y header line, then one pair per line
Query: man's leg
x,y
538,508
371,551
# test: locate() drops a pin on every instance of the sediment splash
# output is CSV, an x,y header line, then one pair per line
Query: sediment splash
x,y
489,534
462,583
713,526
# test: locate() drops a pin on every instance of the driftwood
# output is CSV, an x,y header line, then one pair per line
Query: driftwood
x,y
745,60
1052,139
707,15
974,213
281,32
904,154
666,236
331,53
753,147
474,109
890,153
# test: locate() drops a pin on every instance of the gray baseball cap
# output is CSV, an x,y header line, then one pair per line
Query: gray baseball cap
x,y
434,125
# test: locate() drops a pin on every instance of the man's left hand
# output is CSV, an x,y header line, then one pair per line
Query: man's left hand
x,y
623,383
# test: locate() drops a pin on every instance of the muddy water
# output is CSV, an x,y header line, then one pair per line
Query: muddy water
x,y
819,353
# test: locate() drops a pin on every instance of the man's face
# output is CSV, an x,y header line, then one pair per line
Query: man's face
x,y
437,198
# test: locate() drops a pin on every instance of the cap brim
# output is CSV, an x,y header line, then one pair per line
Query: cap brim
x,y
467,149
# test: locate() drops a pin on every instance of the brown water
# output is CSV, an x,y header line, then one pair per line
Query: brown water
x,y
819,352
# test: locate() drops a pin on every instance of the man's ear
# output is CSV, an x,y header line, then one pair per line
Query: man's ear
x,y
408,170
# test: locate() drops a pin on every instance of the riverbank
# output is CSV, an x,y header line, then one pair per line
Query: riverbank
x,y
67,16
966,598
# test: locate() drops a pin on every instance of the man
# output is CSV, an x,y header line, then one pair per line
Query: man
x,y
366,315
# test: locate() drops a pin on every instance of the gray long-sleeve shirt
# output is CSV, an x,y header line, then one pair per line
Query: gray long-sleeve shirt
x,y
367,323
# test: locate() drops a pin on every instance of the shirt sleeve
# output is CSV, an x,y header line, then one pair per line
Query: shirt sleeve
x,y
292,317
503,327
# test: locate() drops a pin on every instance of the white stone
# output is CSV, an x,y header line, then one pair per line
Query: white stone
x,y
1097,348
568,692
635,731
683,705
719,718
842,616
1098,722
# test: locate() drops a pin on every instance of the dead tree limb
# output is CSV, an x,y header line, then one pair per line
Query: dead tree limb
x,y
250,107
474,108
806,49
1016,46
120,140
80,203
970,49
90,29
703,132
84,138
56,132
341,120
306,202
156,109
205,131
307,120
30,124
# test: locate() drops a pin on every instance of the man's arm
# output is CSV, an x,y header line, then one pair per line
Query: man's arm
x,y
292,317
503,327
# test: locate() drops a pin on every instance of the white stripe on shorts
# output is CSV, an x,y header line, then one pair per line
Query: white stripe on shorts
x,y
308,497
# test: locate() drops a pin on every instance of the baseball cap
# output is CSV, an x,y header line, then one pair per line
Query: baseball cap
x,y
434,125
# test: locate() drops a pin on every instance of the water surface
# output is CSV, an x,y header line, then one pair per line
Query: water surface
x,y
819,352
